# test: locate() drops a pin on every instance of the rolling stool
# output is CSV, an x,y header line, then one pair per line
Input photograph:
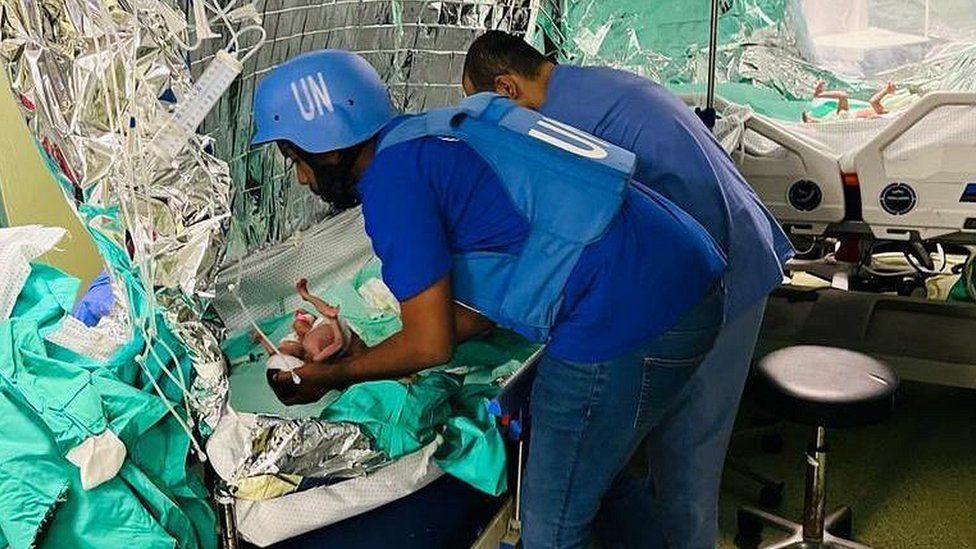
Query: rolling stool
x,y
823,387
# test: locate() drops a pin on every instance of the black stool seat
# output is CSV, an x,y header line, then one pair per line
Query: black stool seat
x,y
826,386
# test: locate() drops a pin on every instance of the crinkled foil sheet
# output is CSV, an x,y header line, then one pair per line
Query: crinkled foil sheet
x,y
418,48
762,42
324,450
89,75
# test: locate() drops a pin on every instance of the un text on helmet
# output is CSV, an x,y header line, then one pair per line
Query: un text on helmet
x,y
313,98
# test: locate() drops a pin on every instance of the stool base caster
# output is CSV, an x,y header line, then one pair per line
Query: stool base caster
x,y
751,522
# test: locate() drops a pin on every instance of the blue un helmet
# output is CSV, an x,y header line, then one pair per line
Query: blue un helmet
x,y
321,101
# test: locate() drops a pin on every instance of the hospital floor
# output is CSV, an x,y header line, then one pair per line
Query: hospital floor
x,y
910,481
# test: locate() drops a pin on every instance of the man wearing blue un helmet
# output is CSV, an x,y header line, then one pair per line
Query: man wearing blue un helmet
x,y
678,157
490,214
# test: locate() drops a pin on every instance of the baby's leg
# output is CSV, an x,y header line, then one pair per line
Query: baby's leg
x,y
333,347
842,103
840,95
882,93
320,304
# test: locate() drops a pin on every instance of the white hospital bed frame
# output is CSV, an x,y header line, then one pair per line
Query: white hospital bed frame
x,y
797,160
936,212
802,162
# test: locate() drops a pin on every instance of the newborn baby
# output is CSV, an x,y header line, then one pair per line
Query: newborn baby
x,y
312,339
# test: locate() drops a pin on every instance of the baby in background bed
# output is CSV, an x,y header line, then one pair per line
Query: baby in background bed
x,y
830,105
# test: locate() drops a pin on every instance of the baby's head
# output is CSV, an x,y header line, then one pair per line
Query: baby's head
x,y
303,323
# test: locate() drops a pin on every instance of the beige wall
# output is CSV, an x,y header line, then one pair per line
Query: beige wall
x,y
30,195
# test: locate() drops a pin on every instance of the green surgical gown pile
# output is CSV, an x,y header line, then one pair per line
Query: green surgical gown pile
x,y
52,399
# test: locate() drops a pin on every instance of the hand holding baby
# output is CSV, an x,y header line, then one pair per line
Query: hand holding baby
x,y
314,340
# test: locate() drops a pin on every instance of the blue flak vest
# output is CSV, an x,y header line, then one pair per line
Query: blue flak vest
x,y
568,184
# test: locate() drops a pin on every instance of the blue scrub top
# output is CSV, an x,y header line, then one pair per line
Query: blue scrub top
x,y
427,199
678,157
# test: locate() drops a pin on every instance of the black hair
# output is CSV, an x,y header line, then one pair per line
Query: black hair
x,y
334,184
495,53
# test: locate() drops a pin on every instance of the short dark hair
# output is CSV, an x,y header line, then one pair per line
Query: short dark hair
x,y
495,53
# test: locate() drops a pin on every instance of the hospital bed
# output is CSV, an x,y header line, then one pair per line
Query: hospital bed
x,y
330,251
909,175
904,179
917,176
797,178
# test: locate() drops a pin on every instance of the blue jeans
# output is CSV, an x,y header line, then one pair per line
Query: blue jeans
x,y
588,419
676,505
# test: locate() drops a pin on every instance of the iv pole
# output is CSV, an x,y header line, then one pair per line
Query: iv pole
x,y
707,114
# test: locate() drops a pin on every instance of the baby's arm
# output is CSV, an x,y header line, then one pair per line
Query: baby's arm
x,y
268,347
320,304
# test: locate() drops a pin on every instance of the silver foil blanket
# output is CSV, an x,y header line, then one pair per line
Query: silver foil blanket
x,y
97,79
324,450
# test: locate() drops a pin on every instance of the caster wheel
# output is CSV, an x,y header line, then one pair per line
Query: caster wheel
x,y
771,495
772,443
749,531
843,525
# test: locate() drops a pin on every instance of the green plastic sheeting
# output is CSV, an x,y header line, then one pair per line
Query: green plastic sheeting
x,y
762,57
668,42
46,296
761,100
400,417
965,288
660,39
51,400
472,446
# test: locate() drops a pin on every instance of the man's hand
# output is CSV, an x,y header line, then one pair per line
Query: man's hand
x,y
427,339
432,323
317,379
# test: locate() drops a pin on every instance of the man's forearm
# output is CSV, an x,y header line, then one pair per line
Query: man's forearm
x,y
391,359
468,323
